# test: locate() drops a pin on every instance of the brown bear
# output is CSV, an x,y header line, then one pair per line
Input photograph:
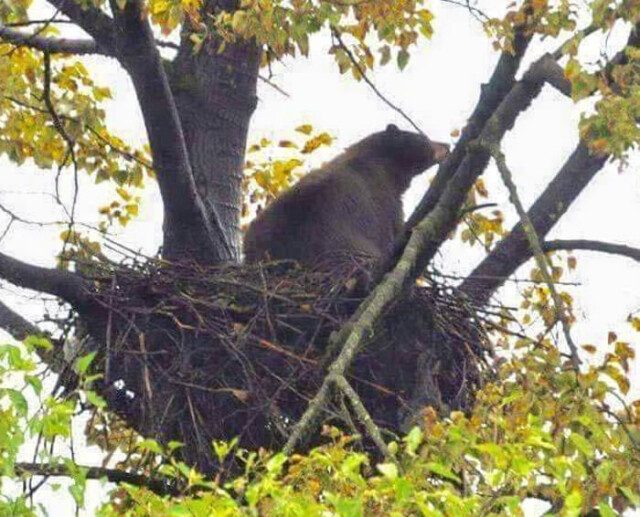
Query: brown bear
x,y
350,206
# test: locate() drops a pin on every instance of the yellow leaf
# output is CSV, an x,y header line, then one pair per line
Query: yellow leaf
x,y
305,129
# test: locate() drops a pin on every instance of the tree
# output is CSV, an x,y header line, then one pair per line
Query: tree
x,y
141,331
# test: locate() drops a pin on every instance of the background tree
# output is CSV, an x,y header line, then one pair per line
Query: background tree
x,y
197,97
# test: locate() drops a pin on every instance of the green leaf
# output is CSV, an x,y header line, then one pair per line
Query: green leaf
x,y
582,444
34,382
606,510
83,363
38,342
413,440
631,496
18,401
443,471
150,445
95,399
275,464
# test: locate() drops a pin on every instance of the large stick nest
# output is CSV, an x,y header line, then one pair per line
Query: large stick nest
x,y
196,354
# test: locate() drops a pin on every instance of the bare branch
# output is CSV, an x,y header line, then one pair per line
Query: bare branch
x,y
64,284
49,45
454,194
536,247
186,221
590,245
362,414
474,11
158,485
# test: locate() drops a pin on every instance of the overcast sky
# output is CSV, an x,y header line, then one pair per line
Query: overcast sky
x,y
438,89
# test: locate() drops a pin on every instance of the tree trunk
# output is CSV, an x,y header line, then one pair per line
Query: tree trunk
x,y
216,95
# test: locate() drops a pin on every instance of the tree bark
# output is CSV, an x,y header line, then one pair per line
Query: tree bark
x,y
216,96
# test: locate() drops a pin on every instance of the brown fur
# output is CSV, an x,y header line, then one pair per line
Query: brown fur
x,y
351,205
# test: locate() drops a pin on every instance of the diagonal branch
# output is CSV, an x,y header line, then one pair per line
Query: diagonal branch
x,y
590,245
49,45
187,229
513,251
477,157
536,248
492,95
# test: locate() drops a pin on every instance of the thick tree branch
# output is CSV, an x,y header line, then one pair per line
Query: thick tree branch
x,y
64,284
474,163
157,485
18,327
492,94
187,229
590,245
49,45
514,250
91,20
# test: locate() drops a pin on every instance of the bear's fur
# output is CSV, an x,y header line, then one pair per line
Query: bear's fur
x,y
351,205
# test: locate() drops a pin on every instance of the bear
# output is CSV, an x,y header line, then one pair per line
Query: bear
x,y
351,206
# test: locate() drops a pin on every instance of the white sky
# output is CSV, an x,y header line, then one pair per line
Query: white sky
x,y
438,89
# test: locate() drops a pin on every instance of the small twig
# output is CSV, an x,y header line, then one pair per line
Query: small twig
x,y
57,122
27,23
18,39
273,85
370,83
591,245
36,34
474,11
534,242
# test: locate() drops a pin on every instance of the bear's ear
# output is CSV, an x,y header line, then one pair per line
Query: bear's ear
x,y
392,128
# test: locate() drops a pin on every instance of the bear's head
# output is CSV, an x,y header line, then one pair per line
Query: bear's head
x,y
412,152
404,153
